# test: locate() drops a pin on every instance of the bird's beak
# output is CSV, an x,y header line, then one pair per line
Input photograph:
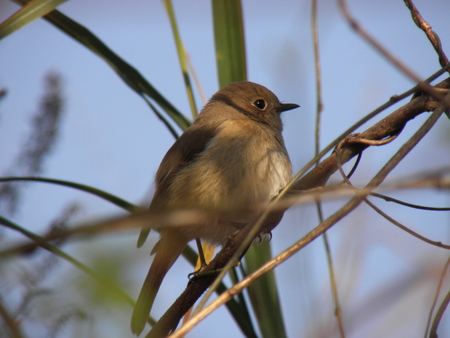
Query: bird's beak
x,y
286,106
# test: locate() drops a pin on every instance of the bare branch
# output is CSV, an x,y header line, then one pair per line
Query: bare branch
x,y
319,109
431,35
410,205
439,314
438,290
11,324
384,51
390,219
374,43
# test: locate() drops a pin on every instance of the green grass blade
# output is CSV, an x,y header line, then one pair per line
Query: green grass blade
x,y
243,320
264,293
229,41
32,11
181,56
231,67
58,252
128,73
121,203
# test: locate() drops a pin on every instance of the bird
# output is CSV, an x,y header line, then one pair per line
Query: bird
x,y
233,156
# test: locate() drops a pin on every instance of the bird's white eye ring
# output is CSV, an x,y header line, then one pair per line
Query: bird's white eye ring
x,y
260,104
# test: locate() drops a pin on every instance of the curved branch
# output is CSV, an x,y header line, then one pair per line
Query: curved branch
x,y
431,35
438,317
436,295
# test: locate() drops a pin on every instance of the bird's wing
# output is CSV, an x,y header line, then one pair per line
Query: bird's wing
x,y
182,153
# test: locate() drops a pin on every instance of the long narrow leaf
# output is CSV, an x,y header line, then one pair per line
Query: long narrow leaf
x,y
128,73
264,293
32,11
229,41
62,254
181,56
121,203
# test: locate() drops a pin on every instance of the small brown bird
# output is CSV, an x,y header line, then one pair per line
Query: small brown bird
x,y
231,157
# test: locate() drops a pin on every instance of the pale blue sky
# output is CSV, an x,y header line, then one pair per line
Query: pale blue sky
x,y
111,140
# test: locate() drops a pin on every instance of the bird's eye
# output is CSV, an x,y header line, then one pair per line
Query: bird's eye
x,y
260,104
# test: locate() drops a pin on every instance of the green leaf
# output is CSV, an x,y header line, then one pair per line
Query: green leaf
x,y
40,241
181,56
32,11
121,203
264,293
229,41
129,74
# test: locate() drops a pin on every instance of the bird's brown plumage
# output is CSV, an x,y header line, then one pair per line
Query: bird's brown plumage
x,y
232,157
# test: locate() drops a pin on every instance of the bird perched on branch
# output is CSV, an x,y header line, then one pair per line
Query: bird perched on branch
x,y
231,158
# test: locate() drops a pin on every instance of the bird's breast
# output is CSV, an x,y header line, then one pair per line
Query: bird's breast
x,y
245,163
242,167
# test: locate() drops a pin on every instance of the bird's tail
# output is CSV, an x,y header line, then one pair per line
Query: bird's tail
x,y
142,237
169,248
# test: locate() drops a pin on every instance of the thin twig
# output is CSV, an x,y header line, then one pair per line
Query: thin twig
x,y
410,205
201,92
384,51
404,228
374,43
390,219
436,295
11,323
319,109
319,102
438,317
427,29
